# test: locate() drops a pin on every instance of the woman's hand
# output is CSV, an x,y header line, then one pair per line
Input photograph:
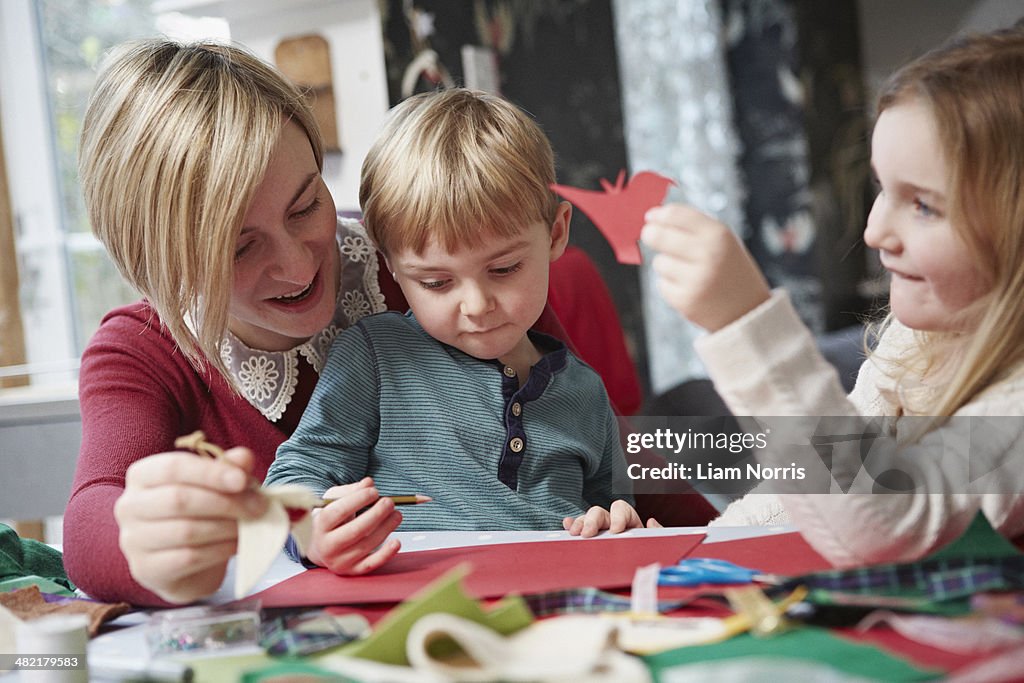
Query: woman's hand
x,y
178,519
704,271
349,543
622,516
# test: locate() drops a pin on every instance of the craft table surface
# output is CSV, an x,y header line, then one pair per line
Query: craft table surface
x,y
284,568
130,642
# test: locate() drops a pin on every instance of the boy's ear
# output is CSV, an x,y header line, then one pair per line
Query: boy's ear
x,y
560,229
387,264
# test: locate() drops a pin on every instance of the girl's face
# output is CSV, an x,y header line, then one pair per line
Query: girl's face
x,y
932,274
287,263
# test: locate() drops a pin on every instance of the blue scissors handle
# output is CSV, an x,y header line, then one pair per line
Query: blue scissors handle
x,y
698,570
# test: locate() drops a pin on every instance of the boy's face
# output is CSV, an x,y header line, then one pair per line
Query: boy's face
x,y
483,300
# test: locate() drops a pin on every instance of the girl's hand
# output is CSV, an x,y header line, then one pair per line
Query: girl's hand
x,y
178,520
348,543
703,269
622,516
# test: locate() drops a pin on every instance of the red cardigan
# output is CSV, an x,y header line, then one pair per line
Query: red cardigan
x,y
138,393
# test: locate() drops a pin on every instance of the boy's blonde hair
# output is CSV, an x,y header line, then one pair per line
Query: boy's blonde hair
x,y
974,87
456,166
176,139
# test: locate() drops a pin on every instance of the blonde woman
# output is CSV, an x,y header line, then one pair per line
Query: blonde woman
x,y
200,167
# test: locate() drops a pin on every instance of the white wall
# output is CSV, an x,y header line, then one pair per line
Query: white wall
x,y
352,29
894,32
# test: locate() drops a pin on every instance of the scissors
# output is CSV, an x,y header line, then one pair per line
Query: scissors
x,y
698,570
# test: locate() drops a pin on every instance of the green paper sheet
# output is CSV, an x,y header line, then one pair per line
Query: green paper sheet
x,y
979,540
805,644
387,642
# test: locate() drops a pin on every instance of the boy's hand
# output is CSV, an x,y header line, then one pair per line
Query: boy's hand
x,y
703,269
348,543
622,516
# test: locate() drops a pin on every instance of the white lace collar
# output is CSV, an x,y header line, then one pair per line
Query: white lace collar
x,y
267,379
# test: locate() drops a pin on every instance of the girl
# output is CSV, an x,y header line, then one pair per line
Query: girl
x,y
948,221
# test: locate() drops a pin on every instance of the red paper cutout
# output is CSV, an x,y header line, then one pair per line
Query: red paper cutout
x,y
497,570
618,212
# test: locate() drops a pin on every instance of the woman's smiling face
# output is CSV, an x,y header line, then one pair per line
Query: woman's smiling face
x,y
287,262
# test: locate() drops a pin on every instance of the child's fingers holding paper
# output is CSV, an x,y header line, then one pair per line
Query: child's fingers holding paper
x,y
343,507
674,230
346,489
347,530
703,269
589,524
360,555
623,516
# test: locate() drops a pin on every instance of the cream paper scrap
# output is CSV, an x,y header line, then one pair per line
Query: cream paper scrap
x,y
261,539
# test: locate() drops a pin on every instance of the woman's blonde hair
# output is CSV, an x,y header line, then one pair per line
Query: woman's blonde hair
x,y
456,166
176,139
974,87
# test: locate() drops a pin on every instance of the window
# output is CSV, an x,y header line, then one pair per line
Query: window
x,y
49,51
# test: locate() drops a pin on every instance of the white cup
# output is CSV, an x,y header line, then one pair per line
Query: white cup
x,y
49,645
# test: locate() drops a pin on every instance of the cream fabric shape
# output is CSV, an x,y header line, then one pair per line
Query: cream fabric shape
x,y
567,648
260,540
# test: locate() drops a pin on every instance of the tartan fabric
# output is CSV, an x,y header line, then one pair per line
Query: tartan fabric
x,y
586,601
937,579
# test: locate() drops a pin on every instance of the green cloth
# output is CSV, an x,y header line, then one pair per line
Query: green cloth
x,y
805,644
23,557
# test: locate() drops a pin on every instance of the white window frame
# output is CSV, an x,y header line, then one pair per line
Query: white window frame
x,y
41,239
35,195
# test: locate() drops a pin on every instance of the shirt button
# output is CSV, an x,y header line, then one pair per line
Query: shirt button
x,y
509,371
517,409
516,445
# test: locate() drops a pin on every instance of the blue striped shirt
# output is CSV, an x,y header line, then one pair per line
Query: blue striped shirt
x,y
422,417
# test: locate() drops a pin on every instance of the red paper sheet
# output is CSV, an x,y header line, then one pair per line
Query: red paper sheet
x,y
497,570
918,653
618,212
782,554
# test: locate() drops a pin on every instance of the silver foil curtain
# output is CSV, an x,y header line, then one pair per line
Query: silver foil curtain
x,y
678,118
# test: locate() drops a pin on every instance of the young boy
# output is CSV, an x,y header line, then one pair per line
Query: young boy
x,y
458,400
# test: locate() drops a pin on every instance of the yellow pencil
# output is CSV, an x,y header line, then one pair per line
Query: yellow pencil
x,y
401,499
